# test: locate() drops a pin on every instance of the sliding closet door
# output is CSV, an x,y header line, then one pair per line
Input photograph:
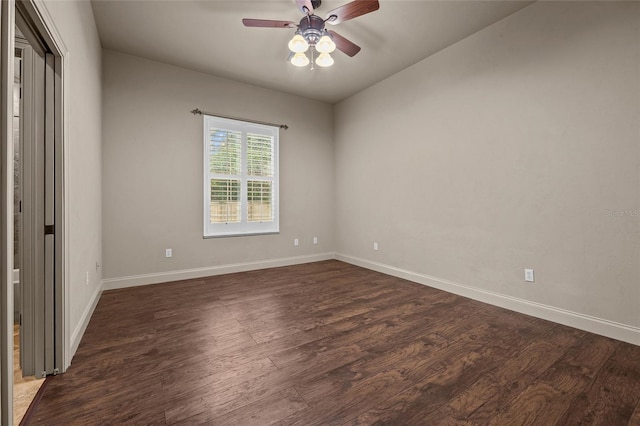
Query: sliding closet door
x,y
32,247
37,332
49,218
41,274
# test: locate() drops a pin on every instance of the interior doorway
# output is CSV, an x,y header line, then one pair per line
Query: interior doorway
x,y
25,386
25,383
42,252
37,208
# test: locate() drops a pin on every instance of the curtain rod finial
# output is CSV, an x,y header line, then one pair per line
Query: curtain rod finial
x,y
196,111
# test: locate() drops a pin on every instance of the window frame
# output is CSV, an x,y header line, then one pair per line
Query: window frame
x,y
244,227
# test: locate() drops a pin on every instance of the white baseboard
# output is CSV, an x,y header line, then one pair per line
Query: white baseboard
x,y
588,323
77,334
186,274
578,320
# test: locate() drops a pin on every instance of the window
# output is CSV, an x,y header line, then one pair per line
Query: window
x,y
241,178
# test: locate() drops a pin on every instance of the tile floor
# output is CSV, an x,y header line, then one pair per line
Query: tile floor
x,y
24,388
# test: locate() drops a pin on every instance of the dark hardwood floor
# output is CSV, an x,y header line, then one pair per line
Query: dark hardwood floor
x,y
330,344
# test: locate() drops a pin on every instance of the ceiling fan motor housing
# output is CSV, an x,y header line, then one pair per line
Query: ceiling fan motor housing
x,y
312,28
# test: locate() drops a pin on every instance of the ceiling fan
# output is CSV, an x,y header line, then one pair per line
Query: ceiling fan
x,y
311,33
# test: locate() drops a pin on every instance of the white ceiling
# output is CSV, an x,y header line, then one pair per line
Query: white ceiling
x,y
208,36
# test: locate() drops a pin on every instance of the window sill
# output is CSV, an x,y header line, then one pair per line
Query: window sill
x,y
245,234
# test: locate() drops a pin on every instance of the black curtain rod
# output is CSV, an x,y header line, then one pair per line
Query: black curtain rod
x,y
197,111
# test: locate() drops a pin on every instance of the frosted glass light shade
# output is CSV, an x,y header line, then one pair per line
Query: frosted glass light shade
x,y
324,60
298,44
300,60
325,45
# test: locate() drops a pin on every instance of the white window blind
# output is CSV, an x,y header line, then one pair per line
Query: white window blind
x,y
241,177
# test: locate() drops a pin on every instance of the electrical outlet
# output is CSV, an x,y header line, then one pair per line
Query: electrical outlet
x,y
528,275
168,253
296,242
375,246
315,240
86,278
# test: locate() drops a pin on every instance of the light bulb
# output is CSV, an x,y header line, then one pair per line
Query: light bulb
x,y
300,60
324,60
325,45
298,44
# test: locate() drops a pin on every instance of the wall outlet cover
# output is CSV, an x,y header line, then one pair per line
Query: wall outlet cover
x,y
528,275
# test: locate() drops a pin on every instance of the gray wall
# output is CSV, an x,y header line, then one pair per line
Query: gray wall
x,y
515,148
75,23
152,169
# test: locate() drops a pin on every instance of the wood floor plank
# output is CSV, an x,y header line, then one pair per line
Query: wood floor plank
x,y
430,365
259,413
330,343
180,379
229,398
614,393
452,370
635,417
484,399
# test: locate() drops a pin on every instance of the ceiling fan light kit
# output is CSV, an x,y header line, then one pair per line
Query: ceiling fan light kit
x,y
320,41
324,60
311,33
298,44
325,44
300,60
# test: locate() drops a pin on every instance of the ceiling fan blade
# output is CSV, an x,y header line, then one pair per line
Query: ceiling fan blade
x,y
305,6
346,46
351,10
267,23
